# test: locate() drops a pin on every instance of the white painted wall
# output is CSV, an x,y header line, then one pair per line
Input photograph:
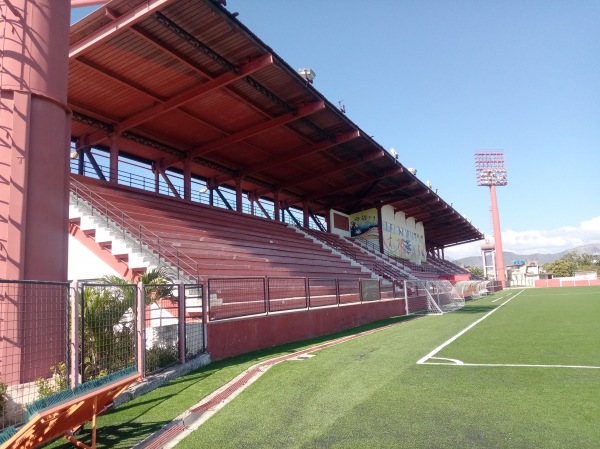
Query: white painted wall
x,y
84,264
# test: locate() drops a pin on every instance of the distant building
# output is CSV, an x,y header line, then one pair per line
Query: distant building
x,y
523,273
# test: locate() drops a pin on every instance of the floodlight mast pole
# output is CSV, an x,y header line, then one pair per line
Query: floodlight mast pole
x,y
491,172
500,273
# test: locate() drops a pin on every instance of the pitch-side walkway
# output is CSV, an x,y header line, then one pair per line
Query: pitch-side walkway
x,y
190,420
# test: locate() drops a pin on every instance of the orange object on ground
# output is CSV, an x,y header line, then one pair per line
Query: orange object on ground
x,y
69,415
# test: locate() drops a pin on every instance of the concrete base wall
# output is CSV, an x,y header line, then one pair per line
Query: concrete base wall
x,y
234,337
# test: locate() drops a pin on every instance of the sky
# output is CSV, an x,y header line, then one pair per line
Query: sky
x,y
439,80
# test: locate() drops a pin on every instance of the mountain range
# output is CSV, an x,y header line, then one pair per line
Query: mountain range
x,y
509,257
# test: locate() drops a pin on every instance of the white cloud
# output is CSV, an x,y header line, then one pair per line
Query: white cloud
x,y
538,241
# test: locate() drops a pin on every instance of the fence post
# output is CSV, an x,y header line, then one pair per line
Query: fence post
x,y
181,327
204,317
73,338
307,292
265,295
405,298
141,328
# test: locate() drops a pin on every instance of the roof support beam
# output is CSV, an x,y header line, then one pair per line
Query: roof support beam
x,y
421,205
249,132
195,92
329,170
349,185
434,213
391,196
124,22
165,178
271,162
413,194
173,53
97,137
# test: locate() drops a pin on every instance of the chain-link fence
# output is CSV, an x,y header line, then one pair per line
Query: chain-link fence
x,y
108,330
195,341
173,322
235,297
287,294
56,335
349,290
34,345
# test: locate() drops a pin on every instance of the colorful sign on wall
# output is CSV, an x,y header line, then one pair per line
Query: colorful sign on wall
x,y
402,237
404,243
365,225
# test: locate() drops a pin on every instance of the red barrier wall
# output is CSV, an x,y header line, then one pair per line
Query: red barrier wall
x,y
234,337
542,283
454,278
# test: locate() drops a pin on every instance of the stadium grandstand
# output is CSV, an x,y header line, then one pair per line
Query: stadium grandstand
x,y
197,150
194,100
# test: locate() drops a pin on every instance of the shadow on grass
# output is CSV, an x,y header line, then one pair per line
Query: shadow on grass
x,y
117,436
476,308
124,427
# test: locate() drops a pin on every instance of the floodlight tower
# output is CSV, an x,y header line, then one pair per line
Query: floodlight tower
x,y
491,171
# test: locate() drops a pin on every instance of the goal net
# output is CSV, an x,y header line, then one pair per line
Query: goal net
x,y
431,297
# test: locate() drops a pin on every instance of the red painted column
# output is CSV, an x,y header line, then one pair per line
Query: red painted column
x,y
34,182
276,206
380,228
305,215
187,180
114,158
500,274
34,153
238,194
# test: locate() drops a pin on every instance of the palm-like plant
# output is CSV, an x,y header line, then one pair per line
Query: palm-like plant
x,y
108,319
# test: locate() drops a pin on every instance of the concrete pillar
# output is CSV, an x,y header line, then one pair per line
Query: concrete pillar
x,y
34,143
34,181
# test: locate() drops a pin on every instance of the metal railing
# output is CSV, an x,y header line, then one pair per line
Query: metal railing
x,y
199,191
132,231
239,297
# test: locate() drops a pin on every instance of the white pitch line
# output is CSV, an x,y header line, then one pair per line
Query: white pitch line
x,y
446,343
454,361
516,365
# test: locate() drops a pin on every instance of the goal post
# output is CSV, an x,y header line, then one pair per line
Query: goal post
x,y
431,297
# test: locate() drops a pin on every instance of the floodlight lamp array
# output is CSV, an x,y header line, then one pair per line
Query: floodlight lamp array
x,y
492,177
490,169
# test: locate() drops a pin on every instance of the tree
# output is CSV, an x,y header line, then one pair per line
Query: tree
x,y
476,271
561,268
572,261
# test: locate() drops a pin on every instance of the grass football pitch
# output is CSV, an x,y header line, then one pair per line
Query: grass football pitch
x,y
518,369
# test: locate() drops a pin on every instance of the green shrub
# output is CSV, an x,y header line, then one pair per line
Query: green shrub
x,y
158,357
58,382
2,400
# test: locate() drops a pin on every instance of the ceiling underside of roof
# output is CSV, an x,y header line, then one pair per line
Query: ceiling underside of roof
x,y
184,82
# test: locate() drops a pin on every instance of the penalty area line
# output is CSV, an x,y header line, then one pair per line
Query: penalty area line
x,y
447,342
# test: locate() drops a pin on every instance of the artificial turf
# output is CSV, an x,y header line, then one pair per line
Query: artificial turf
x,y
369,392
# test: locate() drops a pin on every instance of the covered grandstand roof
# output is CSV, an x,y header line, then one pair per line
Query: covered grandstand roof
x,y
184,80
